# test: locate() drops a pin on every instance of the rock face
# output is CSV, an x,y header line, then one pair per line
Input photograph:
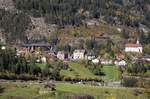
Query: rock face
x,y
7,4
39,28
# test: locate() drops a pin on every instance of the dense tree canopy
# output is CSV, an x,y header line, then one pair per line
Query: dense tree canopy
x,y
14,24
63,12
72,12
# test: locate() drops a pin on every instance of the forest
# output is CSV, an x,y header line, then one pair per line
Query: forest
x,y
73,13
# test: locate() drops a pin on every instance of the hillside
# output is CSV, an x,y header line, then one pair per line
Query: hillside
x,y
39,20
74,49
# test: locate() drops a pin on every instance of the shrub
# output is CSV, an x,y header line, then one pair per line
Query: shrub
x,y
137,68
98,71
130,82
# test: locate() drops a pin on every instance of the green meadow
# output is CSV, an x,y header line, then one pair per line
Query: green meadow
x,y
19,90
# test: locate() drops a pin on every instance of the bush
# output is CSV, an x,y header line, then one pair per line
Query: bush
x,y
12,76
130,82
98,71
26,77
137,68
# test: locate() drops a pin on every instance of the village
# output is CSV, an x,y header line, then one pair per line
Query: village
x,y
75,68
46,50
74,49
99,60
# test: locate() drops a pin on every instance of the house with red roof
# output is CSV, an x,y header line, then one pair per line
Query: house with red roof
x,y
136,48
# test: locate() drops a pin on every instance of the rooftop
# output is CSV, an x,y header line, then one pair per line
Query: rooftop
x,y
37,45
133,45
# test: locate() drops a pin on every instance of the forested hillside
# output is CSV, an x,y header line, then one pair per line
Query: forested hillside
x,y
72,12
16,21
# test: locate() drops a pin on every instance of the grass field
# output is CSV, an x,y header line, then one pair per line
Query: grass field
x,y
17,90
26,91
100,92
78,71
112,73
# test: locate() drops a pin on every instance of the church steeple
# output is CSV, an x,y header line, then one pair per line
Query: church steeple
x,y
137,42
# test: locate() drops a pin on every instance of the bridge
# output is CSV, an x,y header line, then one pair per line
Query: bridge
x,y
37,45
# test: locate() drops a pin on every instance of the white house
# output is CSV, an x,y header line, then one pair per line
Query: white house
x,y
96,61
79,54
120,63
62,55
134,47
90,56
106,62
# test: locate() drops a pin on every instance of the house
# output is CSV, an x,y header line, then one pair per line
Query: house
x,y
62,55
32,47
78,54
22,51
120,63
145,58
96,61
106,62
120,56
90,56
137,48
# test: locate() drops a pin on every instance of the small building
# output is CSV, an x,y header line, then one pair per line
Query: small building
x,y
136,48
121,63
145,58
22,51
120,56
43,59
32,47
90,56
79,54
96,61
106,62
62,55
